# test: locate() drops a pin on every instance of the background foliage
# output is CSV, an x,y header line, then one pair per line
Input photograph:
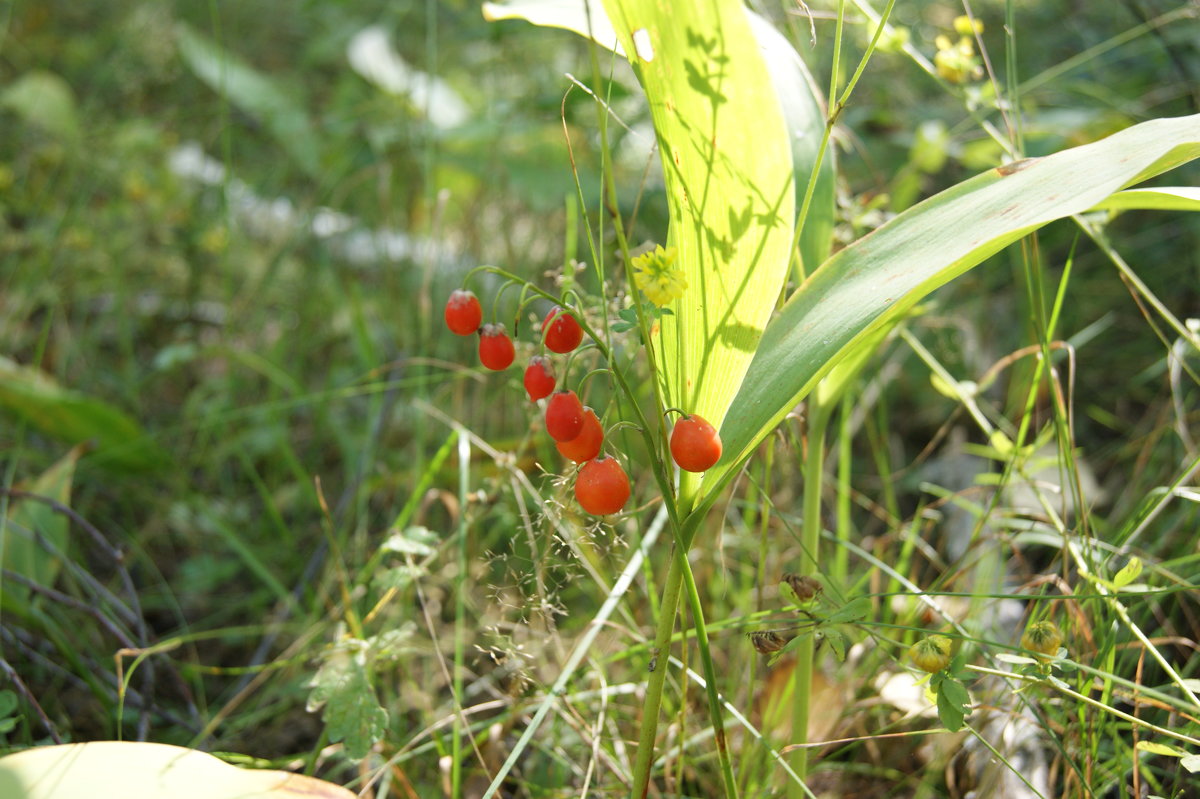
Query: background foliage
x,y
223,252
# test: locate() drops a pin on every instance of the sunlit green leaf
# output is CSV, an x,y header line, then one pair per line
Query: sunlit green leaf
x,y
1162,198
889,270
1130,572
1160,749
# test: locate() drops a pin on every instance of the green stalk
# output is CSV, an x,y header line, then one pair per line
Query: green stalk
x,y
810,536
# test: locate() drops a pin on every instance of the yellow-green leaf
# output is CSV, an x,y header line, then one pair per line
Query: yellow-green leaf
x,y
74,418
728,173
118,770
29,522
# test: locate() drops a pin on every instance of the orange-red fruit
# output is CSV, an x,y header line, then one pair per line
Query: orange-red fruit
x,y
539,378
564,415
496,350
586,445
463,312
602,487
561,331
695,444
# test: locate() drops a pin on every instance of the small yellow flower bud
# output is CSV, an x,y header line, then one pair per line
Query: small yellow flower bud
x,y
931,653
1042,637
963,26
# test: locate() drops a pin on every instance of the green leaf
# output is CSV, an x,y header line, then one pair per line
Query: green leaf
x,y
836,640
1163,198
1130,572
254,94
1160,749
1191,763
888,271
352,713
952,701
121,769
728,171
852,611
731,217
76,418
417,541
791,646
45,100
29,520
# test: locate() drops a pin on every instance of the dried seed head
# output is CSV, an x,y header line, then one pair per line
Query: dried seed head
x,y
806,587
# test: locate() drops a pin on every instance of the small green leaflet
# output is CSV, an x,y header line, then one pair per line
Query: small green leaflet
x,y
8,705
952,701
1128,574
352,712
836,640
852,611
629,319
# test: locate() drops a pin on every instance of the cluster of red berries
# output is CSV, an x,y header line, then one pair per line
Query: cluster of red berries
x,y
601,486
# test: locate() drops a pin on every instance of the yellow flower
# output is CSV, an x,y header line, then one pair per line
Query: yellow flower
x,y
1042,637
956,62
931,653
657,276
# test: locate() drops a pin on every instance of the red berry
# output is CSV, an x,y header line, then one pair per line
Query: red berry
x,y
539,378
463,312
695,444
602,487
496,350
564,416
561,331
586,445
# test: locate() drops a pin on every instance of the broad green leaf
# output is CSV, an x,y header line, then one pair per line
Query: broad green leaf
x,y
28,519
713,342
123,769
728,173
45,100
1163,198
76,418
799,97
254,94
885,273
1191,763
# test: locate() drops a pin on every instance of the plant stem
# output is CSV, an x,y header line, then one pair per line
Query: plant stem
x,y
814,466
648,729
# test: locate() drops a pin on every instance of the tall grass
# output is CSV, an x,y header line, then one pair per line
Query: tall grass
x,y
345,487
